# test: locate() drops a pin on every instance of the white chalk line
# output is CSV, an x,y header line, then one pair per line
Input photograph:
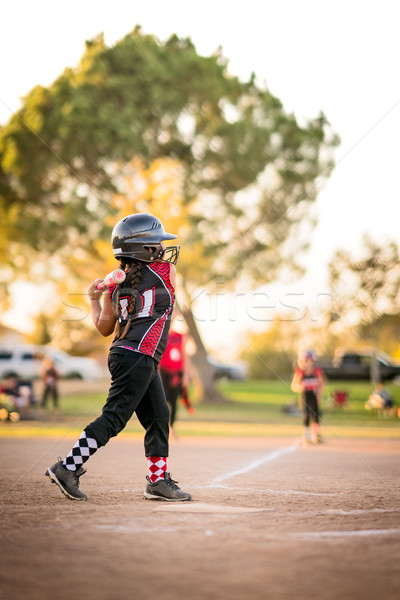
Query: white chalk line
x,y
312,535
253,465
324,536
126,490
264,491
136,529
345,513
233,489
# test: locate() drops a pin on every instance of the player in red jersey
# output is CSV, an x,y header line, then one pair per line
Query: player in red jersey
x,y
138,311
309,382
174,371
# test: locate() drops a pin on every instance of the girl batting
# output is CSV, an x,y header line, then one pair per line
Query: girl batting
x,y
138,310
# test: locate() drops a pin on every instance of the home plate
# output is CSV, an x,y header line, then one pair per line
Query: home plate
x,y
204,507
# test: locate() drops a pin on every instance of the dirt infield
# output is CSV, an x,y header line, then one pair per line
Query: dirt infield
x,y
270,519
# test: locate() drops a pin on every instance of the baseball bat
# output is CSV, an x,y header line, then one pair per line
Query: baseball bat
x,y
113,278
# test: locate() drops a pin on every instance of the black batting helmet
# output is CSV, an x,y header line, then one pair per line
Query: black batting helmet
x,y
139,236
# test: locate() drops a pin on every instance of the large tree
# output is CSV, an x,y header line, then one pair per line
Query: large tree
x,y
248,170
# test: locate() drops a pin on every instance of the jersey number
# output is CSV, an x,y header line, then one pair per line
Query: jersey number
x,y
147,298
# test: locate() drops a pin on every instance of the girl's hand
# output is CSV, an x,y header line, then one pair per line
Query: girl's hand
x,y
93,292
297,386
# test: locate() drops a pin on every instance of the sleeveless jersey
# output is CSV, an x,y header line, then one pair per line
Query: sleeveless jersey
x,y
148,333
310,382
172,359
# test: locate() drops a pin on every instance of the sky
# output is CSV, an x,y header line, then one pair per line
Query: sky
x,y
339,57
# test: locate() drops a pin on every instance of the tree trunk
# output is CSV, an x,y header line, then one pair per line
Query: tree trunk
x,y
205,372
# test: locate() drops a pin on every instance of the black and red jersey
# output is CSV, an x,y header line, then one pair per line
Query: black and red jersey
x,y
150,324
310,381
172,359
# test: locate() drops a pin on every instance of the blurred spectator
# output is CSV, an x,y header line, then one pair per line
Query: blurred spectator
x,y
175,374
50,377
309,382
382,400
17,398
8,411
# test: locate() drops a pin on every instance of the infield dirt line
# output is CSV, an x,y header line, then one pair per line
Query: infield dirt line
x,y
264,491
315,535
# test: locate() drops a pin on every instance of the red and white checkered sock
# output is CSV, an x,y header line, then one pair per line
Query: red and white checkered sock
x,y
157,467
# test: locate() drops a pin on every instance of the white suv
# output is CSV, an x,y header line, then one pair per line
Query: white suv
x,y
26,361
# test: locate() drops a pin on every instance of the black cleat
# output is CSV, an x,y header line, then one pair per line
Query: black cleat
x,y
67,481
165,489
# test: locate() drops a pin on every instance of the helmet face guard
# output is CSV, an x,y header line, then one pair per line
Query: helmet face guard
x,y
139,237
171,254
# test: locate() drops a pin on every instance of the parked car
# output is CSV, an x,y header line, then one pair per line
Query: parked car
x,y
235,372
355,365
25,362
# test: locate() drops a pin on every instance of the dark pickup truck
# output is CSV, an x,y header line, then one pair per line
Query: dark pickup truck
x,y
349,365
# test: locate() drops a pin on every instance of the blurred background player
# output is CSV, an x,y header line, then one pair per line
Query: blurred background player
x,y
309,382
138,311
175,371
382,400
50,377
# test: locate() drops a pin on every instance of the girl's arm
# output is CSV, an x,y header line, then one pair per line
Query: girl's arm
x,y
172,276
321,380
297,385
103,315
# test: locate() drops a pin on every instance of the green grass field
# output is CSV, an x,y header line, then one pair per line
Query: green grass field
x,y
255,409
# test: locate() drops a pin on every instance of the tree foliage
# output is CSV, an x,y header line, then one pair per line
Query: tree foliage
x,y
367,287
248,170
271,354
388,326
367,290
152,126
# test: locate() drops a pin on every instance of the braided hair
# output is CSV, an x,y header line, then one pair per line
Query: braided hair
x,y
129,288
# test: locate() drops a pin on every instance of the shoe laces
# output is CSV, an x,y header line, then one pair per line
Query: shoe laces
x,y
77,475
170,482
167,480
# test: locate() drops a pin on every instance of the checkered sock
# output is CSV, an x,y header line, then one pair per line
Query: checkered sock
x,y
157,467
80,453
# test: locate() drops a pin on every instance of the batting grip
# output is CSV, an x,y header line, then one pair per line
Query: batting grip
x,y
113,278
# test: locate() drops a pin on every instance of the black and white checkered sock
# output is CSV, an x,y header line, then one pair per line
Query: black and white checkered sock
x,y
80,453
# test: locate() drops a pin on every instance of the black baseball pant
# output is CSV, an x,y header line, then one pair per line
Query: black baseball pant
x,y
50,390
135,387
310,409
